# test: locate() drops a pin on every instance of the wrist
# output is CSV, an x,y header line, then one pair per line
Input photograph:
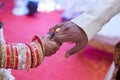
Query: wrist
x,y
83,33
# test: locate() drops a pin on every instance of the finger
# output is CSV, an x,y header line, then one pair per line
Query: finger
x,y
52,30
75,49
63,35
47,37
55,27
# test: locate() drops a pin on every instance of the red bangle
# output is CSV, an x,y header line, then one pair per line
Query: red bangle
x,y
16,57
36,54
37,38
8,56
32,55
28,58
40,51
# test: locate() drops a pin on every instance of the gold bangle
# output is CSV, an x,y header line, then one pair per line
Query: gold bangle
x,y
12,57
3,51
21,56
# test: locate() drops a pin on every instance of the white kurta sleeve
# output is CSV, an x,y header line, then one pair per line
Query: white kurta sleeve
x,y
92,21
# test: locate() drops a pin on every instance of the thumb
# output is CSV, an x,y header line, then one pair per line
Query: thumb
x,y
76,48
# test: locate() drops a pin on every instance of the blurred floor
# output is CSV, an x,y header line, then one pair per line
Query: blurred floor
x,y
92,64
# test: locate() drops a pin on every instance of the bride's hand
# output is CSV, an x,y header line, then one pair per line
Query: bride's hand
x,y
50,47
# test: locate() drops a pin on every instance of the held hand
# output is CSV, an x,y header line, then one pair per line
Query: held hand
x,y
69,32
50,47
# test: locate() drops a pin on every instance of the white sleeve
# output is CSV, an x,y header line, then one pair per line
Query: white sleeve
x,y
92,21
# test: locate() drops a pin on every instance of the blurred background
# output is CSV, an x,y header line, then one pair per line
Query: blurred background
x,y
23,19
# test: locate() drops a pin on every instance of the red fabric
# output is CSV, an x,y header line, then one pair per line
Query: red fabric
x,y
91,64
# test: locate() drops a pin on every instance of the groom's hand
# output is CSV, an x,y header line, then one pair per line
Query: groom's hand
x,y
69,32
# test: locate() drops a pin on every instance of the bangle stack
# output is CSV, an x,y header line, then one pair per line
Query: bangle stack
x,y
22,56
